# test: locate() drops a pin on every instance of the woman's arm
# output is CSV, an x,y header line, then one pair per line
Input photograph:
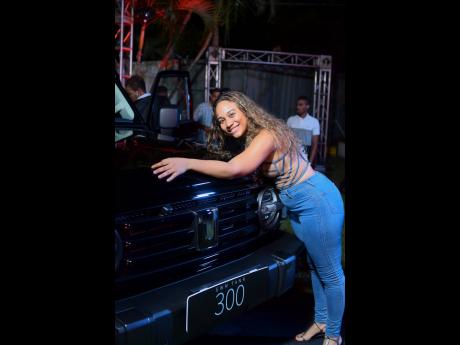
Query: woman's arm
x,y
243,164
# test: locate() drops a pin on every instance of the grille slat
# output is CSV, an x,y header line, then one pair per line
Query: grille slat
x,y
243,231
157,253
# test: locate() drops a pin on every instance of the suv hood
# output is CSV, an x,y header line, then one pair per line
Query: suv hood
x,y
140,188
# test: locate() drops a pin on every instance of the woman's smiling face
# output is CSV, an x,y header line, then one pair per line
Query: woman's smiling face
x,y
231,119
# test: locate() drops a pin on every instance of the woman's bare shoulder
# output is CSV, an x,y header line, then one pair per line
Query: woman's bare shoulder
x,y
265,134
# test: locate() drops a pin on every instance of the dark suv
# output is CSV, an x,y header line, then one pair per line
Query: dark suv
x,y
194,251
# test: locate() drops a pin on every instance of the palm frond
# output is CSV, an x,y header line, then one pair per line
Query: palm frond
x,y
203,8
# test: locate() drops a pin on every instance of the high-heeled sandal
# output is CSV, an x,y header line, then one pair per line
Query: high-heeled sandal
x,y
328,339
317,335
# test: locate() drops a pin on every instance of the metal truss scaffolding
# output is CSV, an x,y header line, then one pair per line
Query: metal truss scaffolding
x,y
124,21
322,82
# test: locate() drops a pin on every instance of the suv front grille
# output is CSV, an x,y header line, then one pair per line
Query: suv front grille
x,y
161,247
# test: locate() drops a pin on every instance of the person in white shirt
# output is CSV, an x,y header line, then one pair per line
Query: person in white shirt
x,y
304,120
203,115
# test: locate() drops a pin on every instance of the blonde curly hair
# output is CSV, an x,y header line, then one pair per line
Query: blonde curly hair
x,y
258,119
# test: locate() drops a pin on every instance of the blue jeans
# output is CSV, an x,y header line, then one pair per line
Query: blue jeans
x,y
316,212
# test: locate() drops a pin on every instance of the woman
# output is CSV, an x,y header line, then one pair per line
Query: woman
x,y
315,205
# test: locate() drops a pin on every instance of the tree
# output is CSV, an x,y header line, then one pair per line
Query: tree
x,y
174,16
227,13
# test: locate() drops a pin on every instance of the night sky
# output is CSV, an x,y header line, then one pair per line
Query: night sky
x,y
296,28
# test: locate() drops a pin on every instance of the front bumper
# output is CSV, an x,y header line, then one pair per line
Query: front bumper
x,y
157,317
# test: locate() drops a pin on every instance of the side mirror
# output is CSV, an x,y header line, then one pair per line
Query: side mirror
x,y
169,117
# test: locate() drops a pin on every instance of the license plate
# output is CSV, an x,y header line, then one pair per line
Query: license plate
x,y
225,299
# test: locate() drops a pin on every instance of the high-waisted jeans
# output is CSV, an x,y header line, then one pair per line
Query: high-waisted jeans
x,y
316,212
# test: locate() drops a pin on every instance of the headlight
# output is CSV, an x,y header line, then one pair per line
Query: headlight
x,y
269,208
118,250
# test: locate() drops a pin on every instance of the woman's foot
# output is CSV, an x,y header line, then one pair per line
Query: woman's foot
x,y
328,340
314,330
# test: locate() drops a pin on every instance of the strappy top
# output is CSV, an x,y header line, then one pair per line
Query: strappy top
x,y
285,179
